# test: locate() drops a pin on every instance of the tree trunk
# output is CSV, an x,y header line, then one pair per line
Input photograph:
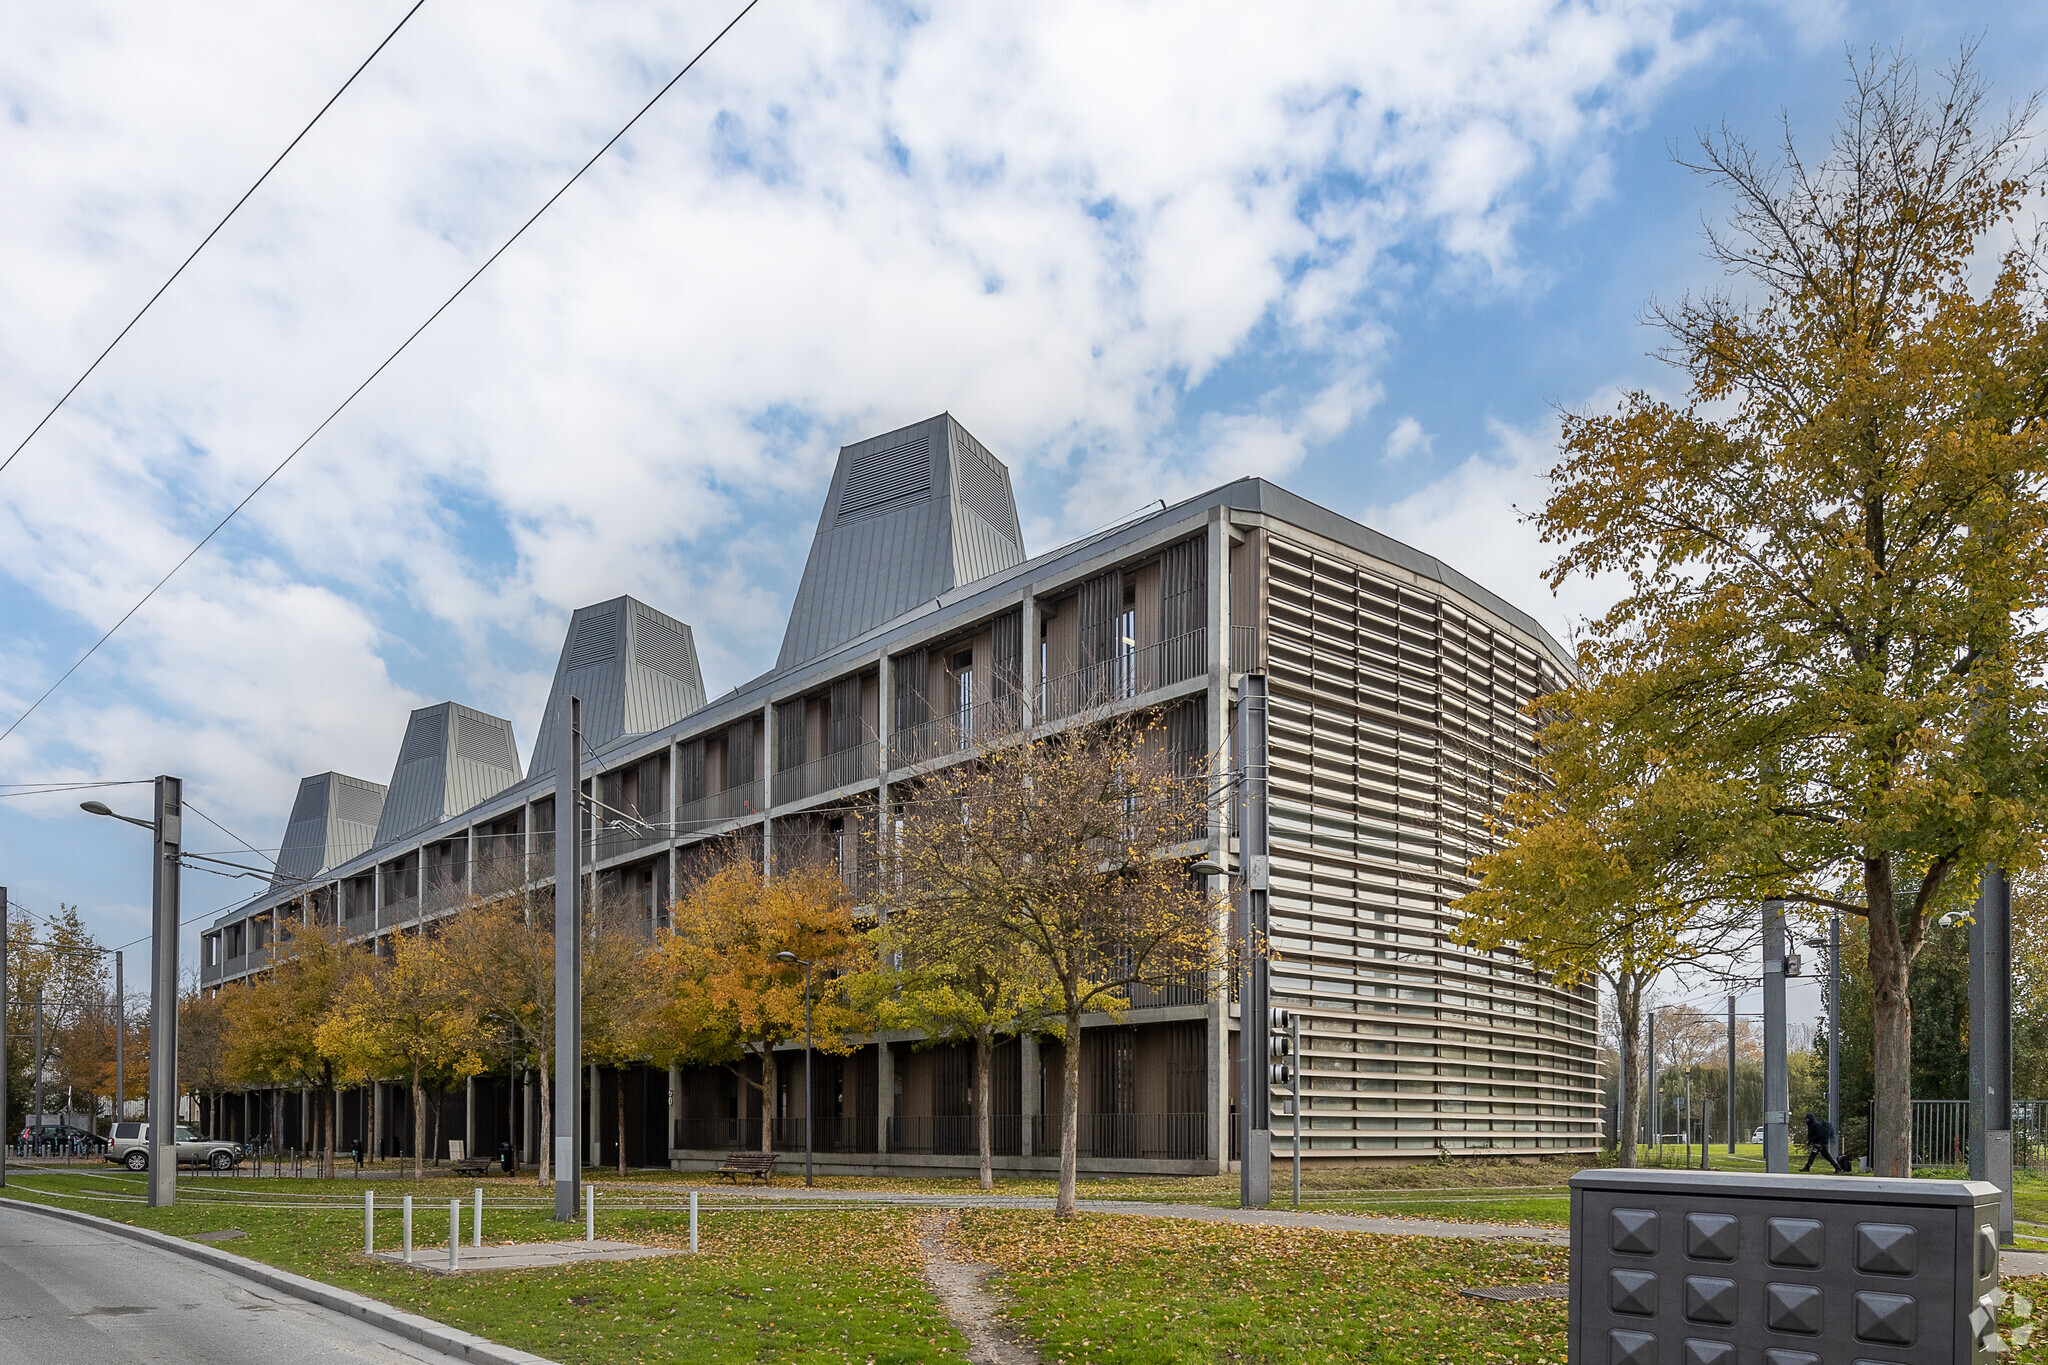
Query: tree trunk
x,y
619,1107
1628,1017
1070,1115
419,1126
984,1085
1891,1018
544,1157
767,1098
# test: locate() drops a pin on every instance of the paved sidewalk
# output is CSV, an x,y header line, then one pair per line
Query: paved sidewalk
x,y
521,1255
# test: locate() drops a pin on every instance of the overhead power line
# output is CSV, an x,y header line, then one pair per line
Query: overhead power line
x,y
151,301
381,367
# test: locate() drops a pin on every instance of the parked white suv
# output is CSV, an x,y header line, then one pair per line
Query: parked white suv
x,y
130,1146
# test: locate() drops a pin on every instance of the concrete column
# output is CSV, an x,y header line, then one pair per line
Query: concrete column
x,y
885,1094
528,1141
1219,699
377,1118
675,1101
1028,1064
469,1117
593,1113
767,757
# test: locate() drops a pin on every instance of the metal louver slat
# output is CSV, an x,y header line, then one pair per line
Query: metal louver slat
x,y
882,480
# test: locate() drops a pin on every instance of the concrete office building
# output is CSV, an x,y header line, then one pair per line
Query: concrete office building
x,y
920,630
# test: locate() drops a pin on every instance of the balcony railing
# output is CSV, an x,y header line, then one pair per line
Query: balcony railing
x,y
843,769
1137,1137
399,913
954,733
620,836
1126,675
731,804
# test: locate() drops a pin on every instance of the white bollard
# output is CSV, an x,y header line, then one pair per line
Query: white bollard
x,y
589,1215
693,1220
408,1229
369,1221
476,1224
454,1232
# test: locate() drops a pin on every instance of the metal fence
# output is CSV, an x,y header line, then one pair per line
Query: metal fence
x,y
1156,1137
1941,1133
955,1134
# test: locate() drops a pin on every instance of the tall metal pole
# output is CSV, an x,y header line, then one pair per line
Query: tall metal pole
x,y
1624,1130
120,1039
1835,1027
568,959
1777,1079
163,994
1731,1075
1255,1145
1991,1042
4,1137
36,1079
1650,1092
810,1103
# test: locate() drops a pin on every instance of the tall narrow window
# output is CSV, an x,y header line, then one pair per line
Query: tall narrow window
x,y
1127,645
963,687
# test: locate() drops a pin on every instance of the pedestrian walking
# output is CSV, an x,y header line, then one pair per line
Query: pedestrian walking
x,y
1820,1134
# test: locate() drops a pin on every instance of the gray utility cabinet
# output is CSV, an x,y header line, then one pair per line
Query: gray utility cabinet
x,y
1704,1268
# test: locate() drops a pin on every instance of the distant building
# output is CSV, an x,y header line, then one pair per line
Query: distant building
x,y
920,629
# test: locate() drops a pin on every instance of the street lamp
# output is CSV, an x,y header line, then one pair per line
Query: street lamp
x,y
165,864
808,1106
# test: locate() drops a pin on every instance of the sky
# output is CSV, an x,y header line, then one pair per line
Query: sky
x,y
1367,251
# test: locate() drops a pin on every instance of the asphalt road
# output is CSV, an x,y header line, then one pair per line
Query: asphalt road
x,y
77,1294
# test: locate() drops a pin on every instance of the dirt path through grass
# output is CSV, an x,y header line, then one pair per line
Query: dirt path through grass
x,y
962,1290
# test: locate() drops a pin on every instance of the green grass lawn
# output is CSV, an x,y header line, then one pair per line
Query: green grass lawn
x,y
836,1285
1114,1290
832,1283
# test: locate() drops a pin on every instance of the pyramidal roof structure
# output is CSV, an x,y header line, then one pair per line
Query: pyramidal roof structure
x,y
334,818
633,668
453,757
911,513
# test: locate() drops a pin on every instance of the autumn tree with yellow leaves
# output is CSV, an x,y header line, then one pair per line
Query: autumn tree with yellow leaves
x,y
274,1023
1835,543
400,1013
726,996
1052,849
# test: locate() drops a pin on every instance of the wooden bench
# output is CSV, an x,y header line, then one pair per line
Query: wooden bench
x,y
759,1165
472,1165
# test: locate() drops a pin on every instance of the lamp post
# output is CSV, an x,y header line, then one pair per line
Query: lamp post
x,y
808,1106
168,829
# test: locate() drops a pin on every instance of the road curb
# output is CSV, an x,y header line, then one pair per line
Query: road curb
x,y
449,1341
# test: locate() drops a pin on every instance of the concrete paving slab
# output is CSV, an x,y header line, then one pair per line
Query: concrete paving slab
x,y
522,1255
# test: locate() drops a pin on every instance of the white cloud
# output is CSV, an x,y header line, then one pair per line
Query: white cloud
x,y
1055,220
1477,516
1407,438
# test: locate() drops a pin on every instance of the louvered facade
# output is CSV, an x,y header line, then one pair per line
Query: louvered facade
x,y
920,632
